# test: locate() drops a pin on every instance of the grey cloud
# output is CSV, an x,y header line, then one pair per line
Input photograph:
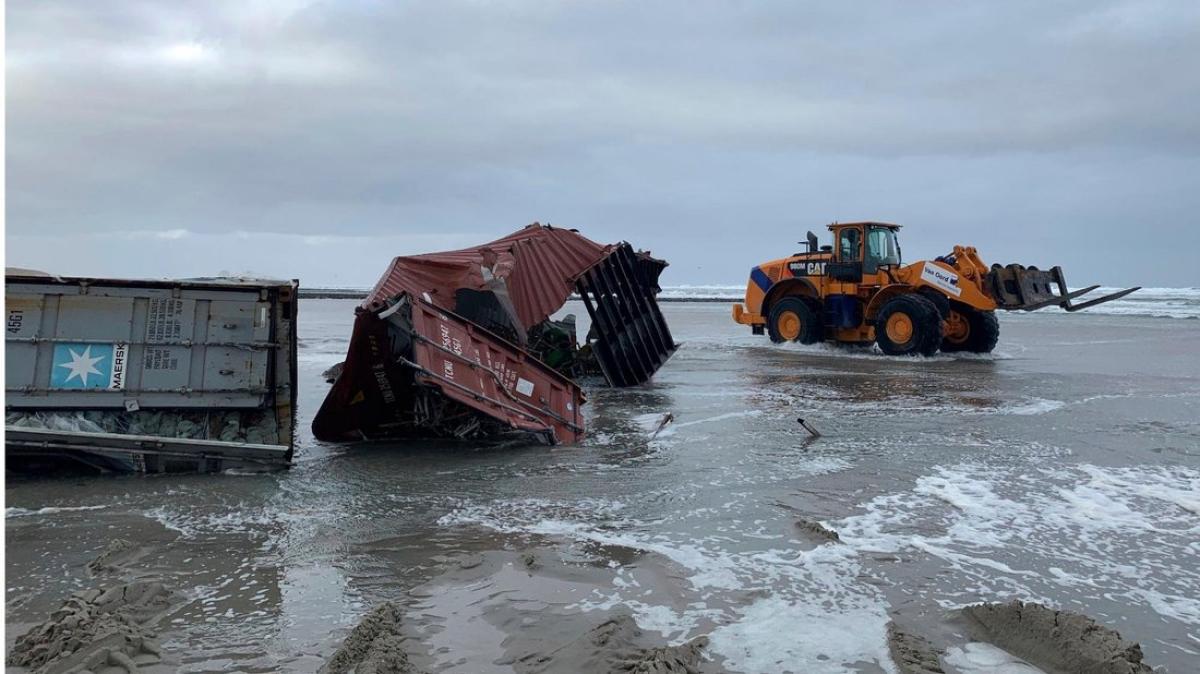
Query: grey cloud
x,y
1029,129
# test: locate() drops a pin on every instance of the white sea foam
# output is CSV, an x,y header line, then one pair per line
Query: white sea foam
x,y
238,520
49,510
978,657
1039,533
1110,534
772,634
815,593
732,293
1033,407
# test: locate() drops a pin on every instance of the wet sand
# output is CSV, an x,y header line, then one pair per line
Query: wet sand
x,y
1064,470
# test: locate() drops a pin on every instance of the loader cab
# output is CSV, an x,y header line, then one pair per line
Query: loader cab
x,y
862,248
883,247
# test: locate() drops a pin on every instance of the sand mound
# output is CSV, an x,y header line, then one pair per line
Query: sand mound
x,y
616,645
1058,640
115,555
913,653
374,646
94,629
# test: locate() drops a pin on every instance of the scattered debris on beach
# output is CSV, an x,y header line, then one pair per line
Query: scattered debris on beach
x,y
818,530
1061,641
461,344
812,432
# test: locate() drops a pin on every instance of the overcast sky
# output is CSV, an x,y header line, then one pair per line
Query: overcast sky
x,y
319,139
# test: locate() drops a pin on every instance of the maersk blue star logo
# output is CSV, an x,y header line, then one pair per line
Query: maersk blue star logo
x,y
82,366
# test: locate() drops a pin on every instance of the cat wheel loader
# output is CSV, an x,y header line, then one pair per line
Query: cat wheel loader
x,y
858,291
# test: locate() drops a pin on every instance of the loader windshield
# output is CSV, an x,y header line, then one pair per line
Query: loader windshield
x,y
882,248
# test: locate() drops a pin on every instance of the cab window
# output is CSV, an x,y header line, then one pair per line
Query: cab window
x,y
882,248
848,247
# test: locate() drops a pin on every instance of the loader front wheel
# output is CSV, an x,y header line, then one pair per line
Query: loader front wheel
x,y
793,320
908,325
969,329
939,300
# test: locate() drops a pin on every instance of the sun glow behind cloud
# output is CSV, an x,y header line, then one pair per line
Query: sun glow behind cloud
x,y
187,53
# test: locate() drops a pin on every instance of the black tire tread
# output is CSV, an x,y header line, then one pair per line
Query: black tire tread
x,y
939,300
927,326
986,334
984,331
812,331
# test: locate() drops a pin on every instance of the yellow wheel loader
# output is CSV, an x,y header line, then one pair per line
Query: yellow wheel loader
x,y
858,291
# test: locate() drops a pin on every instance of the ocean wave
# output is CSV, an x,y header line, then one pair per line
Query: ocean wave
x,y
49,510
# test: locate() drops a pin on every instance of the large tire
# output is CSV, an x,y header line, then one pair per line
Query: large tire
x,y
793,320
939,300
907,325
969,329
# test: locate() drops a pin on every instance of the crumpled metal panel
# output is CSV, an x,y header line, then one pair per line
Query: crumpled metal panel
x,y
538,263
472,367
632,338
412,348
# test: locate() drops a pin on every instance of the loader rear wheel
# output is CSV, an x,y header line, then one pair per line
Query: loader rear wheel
x,y
908,325
957,331
969,329
793,320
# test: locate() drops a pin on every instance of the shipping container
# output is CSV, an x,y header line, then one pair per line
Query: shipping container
x,y
417,370
461,343
149,375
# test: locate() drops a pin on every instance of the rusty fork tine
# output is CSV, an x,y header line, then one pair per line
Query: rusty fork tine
x,y
1099,300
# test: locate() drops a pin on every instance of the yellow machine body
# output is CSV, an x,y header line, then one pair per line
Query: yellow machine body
x,y
845,287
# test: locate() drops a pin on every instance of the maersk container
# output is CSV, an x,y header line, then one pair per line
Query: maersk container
x,y
150,375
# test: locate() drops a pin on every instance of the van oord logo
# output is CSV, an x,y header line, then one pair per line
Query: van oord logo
x,y
946,280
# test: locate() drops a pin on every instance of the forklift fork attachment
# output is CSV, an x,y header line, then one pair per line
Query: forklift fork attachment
x,y
1016,287
1100,300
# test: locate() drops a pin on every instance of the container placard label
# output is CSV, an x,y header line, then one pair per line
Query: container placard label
x,y
946,280
161,359
524,387
164,320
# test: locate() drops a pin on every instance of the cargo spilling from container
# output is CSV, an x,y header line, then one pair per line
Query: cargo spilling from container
x,y
149,375
461,343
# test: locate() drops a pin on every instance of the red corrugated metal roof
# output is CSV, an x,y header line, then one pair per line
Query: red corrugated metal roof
x,y
538,263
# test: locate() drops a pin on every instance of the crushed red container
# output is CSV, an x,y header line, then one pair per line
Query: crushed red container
x,y
438,347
